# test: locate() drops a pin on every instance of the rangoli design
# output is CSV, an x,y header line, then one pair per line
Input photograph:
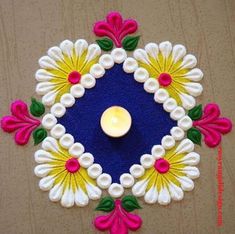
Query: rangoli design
x,y
156,158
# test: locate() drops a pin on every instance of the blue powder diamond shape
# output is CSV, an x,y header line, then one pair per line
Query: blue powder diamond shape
x,y
150,123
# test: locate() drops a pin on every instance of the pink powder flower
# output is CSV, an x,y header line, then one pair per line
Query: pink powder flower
x,y
115,27
20,121
212,126
119,221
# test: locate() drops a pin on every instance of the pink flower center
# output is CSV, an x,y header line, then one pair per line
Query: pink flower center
x,y
164,79
162,165
72,165
74,77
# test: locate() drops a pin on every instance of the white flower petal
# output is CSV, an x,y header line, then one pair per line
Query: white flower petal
x,y
67,100
185,146
56,192
151,85
191,159
104,181
164,197
42,156
49,98
67,199
147,160
141,55
191,172
49,121
116,190
76,149
185,123
86,160
188,101
44,87
67,48
176,192
161,96
130,65
93,52
151,196
94,170
165,48
42,170
177,113
77,90
139,188
50,144
141,75
58,110
43,75
170,104
93,192
80,46
168,142
106,61
158,151
46,183
195,89
194,75
137,170
152,50
186,183
47,63
56,53
178,52
97,71
119,55
127,180
189,61
66,141
177,133
81,199
88,81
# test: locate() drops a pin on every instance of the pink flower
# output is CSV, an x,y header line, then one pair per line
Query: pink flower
x,y
115,28
20,121
118,221
212,126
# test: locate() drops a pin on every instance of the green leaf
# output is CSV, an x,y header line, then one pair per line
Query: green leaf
x,y
106,204
130,43
196,112
39,135
130,203
105,44
194,135
36,108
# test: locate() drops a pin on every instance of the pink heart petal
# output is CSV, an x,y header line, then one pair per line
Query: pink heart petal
x,y
129,26
132,221
211,137
104,222
115,20
223,125
118,226
23,134
11,123
19,109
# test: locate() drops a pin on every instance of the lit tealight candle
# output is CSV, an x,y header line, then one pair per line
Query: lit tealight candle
x,y
115,121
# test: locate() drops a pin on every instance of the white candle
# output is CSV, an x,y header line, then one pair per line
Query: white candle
x,y
115,121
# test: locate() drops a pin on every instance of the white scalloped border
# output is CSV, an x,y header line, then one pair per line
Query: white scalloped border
x,y
161,96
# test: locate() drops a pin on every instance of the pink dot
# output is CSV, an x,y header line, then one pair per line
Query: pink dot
x,y
72,165
74,77
164,79
162,165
